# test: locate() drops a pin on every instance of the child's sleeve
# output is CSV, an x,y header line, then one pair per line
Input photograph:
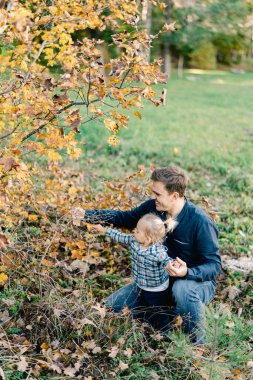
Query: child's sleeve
x,y
162,256
119,237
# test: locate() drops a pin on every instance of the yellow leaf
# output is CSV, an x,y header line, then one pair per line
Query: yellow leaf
x,y
111,125
77,254
53,156
113,140
44,346
3,278
32,217
26,342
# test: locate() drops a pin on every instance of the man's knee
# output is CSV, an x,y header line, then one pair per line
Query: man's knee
x,y
183,290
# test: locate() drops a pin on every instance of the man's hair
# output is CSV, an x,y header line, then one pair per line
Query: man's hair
x,y
174,179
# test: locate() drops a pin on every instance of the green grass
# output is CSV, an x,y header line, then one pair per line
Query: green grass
x,y
205,123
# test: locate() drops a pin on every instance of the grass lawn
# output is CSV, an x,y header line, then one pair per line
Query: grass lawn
x,y
207,122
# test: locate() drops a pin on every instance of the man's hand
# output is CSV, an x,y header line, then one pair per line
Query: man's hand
x,y
177,268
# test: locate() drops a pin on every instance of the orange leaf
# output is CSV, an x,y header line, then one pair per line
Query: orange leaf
x,y
47,263
136,113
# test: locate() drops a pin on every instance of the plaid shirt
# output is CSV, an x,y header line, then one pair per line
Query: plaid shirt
x,y
148,265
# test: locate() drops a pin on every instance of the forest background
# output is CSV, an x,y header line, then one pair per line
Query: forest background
x,y
94,95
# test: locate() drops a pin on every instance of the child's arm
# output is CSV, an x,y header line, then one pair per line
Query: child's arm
x,y
162,256
119,237
113,234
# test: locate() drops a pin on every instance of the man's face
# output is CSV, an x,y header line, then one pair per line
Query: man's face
x,y
163,200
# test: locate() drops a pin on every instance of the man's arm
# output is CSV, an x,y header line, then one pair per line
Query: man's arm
x,y
117,218
207,250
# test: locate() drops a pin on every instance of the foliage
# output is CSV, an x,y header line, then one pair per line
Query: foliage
x,y
204,57
199,23
41,108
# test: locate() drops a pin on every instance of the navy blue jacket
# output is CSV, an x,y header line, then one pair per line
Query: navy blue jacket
x,y
194,240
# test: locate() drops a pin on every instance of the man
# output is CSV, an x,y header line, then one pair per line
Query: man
x,y
193,244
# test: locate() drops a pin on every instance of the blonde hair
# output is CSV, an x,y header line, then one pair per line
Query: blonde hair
x,y
155,229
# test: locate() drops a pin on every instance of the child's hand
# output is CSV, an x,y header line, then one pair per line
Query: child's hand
x,y
97,228
175,264
77,213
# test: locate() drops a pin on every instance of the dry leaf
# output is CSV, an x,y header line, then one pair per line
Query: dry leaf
x,y
123,366
96,350
86,321
79,264
22,365
100,309
55,368
154,375
58,312
113,352
128,352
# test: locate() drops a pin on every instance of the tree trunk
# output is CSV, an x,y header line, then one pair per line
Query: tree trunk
x,y
167,59
146,16
166,44
180,66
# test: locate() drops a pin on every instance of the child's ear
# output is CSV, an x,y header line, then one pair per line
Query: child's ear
x,y
149,240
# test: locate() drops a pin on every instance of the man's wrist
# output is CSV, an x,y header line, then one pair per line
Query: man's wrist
x,y
186,274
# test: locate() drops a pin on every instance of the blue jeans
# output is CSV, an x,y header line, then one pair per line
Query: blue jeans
x,y
187,297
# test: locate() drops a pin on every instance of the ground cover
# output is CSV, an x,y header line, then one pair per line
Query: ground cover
x,y
53,325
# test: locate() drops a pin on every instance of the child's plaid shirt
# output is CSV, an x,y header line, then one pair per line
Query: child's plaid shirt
x,y
148,265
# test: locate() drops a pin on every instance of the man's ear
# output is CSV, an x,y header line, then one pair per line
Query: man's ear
x,y
175,195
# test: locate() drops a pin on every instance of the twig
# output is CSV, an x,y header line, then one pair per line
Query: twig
x,y
214,347
10,133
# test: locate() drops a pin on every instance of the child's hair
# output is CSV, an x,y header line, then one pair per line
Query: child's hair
x,y
155,229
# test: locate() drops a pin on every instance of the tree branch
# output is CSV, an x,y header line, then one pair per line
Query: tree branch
x,y
51,118
10,133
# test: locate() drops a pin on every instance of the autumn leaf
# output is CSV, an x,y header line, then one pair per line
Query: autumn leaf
x,y
136,113
101,310
3,278
44,346
113,352
122,365
22,364
170,27
47,263
8,164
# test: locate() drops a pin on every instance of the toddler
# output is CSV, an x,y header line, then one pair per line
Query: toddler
x,y
148,258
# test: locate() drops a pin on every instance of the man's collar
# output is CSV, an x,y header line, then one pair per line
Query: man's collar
x,y
183,211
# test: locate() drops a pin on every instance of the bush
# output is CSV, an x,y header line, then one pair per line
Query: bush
x,y
204,57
